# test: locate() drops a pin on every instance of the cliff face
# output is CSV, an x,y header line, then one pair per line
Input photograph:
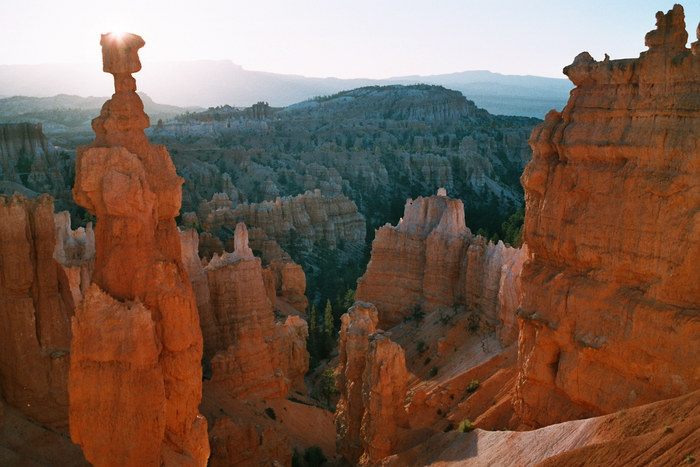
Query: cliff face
x,y
611,299
35,310
135,374
431,260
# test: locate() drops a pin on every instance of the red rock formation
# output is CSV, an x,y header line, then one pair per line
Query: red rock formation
x,y
135,374
383,393
353,342
372,382
431,260
75,253
289,283
257,357
611,296
34,311
189,241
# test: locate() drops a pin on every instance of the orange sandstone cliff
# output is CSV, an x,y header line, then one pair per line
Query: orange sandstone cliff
x,y
610,313
135,374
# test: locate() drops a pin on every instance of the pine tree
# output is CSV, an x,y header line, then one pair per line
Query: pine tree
x,y
328,319
313,329
348,299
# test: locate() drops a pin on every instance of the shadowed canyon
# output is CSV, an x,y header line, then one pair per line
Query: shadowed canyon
x,y
389,275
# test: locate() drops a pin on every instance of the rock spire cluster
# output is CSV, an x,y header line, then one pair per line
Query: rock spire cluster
x,y
135,376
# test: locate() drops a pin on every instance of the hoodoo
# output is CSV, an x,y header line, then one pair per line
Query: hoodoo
x,y
610,313
135,377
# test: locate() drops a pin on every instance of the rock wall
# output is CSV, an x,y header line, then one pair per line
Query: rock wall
x,y
431,260
135,376
35,311
611,298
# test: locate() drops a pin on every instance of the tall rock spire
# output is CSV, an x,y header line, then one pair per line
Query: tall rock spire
x,y
135,374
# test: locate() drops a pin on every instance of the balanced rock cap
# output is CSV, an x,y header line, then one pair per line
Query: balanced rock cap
x,y
120,52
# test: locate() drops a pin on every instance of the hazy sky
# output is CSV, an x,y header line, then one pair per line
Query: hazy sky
x,y
346,39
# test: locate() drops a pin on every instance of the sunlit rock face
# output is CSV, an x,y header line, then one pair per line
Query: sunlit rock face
x,y
610,311
430,259
372,380
135,376
252,353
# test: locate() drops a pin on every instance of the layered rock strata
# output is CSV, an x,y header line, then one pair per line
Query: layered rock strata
x,y
371,377
35,311
431,260
135,376
313,216
611,299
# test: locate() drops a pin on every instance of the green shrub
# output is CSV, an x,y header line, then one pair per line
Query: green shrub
x,y
271,413
465,426
473,321
328,385
473,386
416,315
421,347
433,371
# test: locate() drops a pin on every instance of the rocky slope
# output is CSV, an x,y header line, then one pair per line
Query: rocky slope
x,y
135,374
611,300
661,433
431,260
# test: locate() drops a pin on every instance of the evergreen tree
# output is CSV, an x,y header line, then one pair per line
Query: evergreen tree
x,y
313,330
348,299
328,319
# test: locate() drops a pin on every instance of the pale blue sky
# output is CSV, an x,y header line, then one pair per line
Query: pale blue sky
x,y
346,39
